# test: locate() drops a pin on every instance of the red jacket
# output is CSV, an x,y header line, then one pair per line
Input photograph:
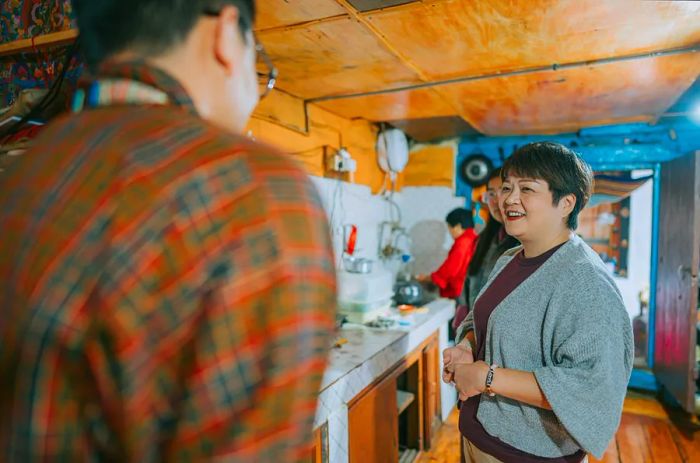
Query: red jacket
x,y
451,274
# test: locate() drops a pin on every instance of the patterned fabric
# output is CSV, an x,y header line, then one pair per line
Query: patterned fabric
x,y
22,19
168,291
36,70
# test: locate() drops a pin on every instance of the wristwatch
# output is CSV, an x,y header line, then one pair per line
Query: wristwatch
x,y
489,380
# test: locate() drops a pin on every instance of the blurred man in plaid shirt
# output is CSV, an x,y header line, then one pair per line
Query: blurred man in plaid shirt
x,y
167,285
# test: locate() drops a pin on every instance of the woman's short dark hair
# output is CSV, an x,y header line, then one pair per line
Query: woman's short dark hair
x,y
564,171
460,216
149,27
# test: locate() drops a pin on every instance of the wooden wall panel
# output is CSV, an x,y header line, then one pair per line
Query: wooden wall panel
x,y
466,37
283,109
334,57
432,165
569,99
325,130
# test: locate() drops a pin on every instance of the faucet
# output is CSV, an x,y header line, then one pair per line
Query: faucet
x,y
389,248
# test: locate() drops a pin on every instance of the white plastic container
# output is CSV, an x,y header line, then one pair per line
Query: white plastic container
x,y
362,295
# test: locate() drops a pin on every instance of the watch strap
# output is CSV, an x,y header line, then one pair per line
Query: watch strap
x,y
489,380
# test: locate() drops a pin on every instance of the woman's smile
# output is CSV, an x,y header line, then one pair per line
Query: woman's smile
x,y
512,216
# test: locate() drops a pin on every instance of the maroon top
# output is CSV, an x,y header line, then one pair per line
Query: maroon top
x,y
514,273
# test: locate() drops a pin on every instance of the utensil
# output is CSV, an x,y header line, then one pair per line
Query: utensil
x,y
350,238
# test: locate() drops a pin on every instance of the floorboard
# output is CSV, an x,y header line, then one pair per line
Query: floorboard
x,y
648,433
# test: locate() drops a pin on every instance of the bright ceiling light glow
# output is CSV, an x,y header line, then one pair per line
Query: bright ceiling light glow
x,y
695,113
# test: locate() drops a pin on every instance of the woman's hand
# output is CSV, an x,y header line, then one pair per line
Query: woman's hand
x,y
470,378
461,353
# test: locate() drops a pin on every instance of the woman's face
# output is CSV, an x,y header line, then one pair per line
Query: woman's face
x,y
528,211
493,189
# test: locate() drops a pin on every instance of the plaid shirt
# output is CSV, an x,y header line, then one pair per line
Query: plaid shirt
x,y
167,288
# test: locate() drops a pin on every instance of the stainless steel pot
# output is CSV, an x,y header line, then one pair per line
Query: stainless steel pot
x,y
408,292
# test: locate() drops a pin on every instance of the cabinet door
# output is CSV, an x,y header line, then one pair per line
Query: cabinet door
x,y
677,281
373,425
319,452
431,391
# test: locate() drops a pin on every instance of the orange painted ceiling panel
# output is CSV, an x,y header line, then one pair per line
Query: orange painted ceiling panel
x,y
276,13
334,57
569,99
465,37
413,104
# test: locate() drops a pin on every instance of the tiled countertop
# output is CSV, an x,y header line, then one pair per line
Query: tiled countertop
x,y
370,352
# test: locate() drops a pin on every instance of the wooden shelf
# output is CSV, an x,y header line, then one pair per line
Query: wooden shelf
x,y
404,399
40,41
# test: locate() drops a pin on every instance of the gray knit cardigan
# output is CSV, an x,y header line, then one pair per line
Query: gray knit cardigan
x,y
567,324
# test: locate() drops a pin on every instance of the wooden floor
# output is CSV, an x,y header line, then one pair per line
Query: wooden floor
x,y
648,434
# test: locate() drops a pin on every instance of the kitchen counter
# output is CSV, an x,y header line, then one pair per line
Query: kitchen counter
x,y
368,354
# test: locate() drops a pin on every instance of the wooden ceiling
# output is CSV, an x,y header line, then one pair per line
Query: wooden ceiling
x,y
502,67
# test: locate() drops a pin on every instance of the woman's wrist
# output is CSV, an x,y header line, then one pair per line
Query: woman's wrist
x,y
484,369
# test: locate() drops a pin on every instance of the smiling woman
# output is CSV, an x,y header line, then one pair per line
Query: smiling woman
x,y
545,186
547,351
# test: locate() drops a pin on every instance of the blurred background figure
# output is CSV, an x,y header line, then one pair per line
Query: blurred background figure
x,y
449,278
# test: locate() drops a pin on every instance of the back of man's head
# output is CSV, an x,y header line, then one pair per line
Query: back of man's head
x,y
205,45
147,28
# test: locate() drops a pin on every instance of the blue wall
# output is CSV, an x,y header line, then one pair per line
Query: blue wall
x,y
618,147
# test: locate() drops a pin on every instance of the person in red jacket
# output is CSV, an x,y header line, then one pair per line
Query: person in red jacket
x,y
449,278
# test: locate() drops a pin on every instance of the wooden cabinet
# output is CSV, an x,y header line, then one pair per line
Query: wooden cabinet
x,y
431,390
373,424
319,451
399,414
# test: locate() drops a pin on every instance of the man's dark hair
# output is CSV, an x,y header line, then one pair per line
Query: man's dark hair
x,y
460,216
147,27
564,171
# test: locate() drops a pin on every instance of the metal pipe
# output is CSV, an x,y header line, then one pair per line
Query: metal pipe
x,y
530,70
